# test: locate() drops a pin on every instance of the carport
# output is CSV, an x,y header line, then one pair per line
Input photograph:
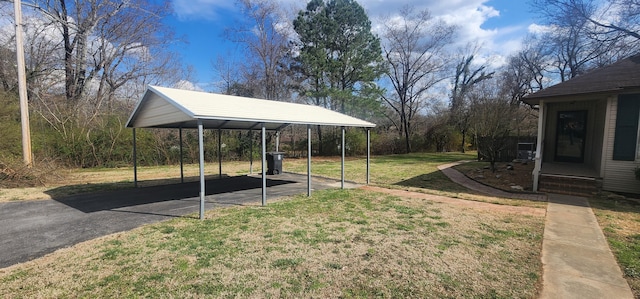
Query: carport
x,y
170,108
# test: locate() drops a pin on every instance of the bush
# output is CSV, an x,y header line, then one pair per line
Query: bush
x,y
10,130
13,173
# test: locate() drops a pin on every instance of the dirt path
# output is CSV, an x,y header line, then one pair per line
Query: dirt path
x,y
462,202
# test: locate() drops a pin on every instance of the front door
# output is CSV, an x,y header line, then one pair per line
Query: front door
x,y
570,136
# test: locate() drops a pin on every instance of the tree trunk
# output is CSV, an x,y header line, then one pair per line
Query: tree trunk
x,y
407,138
464,135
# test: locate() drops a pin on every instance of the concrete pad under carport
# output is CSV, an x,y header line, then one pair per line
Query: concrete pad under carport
x,y
32,229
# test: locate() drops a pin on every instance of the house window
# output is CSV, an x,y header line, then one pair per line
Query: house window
x,y
626,145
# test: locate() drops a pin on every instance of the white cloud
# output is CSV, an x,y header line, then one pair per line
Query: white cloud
x,y
497,42
538,29
187,85
468,15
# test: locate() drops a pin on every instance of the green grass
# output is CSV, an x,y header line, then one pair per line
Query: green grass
x,y
416,170
620,222
406,170
347,243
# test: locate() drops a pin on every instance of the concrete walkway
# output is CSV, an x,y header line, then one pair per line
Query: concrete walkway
x,y
576,259
463,180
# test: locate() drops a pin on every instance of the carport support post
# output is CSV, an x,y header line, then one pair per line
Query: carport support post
x,y
368,154
219,153
308,160
250,151
135,161
181,159
342,161
264,158
201,149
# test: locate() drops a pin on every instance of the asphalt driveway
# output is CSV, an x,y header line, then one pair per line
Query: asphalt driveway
x,y
31,229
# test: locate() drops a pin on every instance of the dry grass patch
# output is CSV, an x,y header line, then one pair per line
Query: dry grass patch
x,y
76,181
338,243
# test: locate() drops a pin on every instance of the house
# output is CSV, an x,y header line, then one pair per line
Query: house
x,y
588,135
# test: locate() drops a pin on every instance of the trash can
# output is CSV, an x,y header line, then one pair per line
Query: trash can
x,y
526,151
274,162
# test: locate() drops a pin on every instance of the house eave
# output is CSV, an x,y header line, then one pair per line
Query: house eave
x,y
534,99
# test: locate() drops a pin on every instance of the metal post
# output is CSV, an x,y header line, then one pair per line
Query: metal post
x,y
219,153
368,154
250,151
277,141
135,161
264,172
308,160
22,87
201,149
342,161
181,158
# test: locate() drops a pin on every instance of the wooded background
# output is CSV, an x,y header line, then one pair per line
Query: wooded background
x,y
89,61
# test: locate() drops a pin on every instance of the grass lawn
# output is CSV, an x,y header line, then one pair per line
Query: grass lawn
x,y
338,243
413,170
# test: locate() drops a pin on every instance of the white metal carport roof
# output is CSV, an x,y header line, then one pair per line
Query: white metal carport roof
x,y
162,107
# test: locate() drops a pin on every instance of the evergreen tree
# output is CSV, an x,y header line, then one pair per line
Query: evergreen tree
x,y
339,58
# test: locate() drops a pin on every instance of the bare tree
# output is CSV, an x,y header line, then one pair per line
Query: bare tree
x,y
584,34
523,74
535,61
615,18
227,74
85,57
466,77
106,44
414,49
492,120
265,37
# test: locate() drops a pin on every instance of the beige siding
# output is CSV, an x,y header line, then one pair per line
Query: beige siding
x,y
619,175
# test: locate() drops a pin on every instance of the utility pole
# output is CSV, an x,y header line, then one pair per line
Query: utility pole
x,y
22,87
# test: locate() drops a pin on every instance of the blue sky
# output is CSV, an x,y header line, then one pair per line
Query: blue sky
x,y
497,25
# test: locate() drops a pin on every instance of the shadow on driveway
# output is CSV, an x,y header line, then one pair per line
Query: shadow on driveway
x,y
112,200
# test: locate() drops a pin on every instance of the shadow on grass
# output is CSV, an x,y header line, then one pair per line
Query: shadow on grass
x,y
129,196
619,204
435,181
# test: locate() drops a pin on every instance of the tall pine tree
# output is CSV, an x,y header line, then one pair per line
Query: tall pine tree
x,y
339,58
